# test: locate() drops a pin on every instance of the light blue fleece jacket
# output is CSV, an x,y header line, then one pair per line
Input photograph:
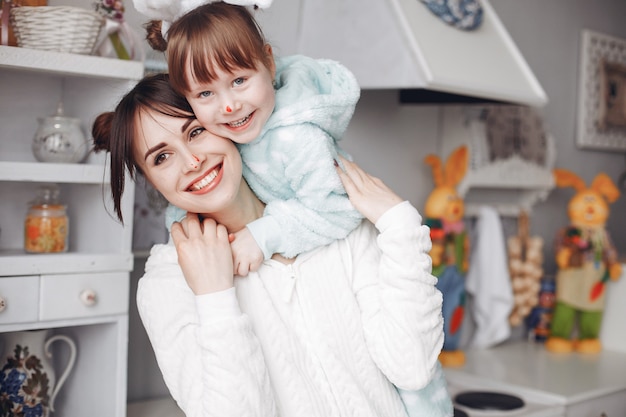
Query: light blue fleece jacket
x,y
290,165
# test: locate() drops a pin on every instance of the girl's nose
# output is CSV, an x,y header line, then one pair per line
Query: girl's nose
x,y
230,106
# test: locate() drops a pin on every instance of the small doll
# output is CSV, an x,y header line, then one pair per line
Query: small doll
x,y
444,212
540,317
586,259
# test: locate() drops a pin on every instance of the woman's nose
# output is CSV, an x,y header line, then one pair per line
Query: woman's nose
x,y
193,163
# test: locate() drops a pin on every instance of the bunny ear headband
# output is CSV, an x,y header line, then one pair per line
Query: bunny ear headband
x,y
169,10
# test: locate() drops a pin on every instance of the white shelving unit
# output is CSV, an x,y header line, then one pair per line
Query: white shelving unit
x,y
42,291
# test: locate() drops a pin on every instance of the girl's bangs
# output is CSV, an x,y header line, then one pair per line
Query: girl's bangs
x,y
227,52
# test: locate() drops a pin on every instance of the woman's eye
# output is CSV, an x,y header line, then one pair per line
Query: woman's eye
x,y
160,158
238,81
205,94
195,132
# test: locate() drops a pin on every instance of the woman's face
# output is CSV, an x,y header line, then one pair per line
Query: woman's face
x,y
192,168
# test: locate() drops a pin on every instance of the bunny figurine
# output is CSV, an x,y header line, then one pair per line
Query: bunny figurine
x,y
444,212
585,259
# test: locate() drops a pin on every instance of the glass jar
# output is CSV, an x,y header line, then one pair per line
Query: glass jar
x,y
46,226
59,139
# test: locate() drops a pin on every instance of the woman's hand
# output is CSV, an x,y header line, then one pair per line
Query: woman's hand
x,y
368,194
204,254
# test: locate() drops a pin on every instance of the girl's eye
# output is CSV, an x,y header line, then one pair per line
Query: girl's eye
x,y
205,94
238,81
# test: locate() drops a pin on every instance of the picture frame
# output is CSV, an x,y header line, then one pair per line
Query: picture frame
x,y
601,121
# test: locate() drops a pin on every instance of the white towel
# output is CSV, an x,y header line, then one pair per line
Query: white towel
x,y
489,283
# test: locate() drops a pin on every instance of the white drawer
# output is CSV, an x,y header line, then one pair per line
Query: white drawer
x,y
83,295
20,297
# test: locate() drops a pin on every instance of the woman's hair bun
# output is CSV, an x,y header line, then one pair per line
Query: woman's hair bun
x,y
101,132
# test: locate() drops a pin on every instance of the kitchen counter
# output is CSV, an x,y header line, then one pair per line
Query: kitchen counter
x,y
573,380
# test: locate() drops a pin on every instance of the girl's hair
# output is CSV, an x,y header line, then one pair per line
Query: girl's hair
x,y
115,131
215,34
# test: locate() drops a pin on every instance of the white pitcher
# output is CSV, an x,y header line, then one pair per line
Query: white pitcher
x,y
27,378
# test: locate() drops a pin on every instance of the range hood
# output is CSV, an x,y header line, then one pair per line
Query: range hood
x,y
401,44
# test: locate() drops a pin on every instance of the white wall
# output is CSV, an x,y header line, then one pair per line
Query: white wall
x,y
548,35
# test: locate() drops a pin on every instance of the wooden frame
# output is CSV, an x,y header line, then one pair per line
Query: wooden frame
x,y
602,92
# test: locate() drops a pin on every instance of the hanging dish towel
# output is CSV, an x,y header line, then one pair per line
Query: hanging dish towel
x,y
488,282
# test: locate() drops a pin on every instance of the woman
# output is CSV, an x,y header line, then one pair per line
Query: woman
x,y
328,333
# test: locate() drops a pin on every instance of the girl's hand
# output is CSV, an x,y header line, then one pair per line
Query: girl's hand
x,y
204,254
247,255
368,194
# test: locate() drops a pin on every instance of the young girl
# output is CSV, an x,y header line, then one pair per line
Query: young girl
x,y
326,334
285,114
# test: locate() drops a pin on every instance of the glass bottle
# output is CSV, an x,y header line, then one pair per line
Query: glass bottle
x,y
46,226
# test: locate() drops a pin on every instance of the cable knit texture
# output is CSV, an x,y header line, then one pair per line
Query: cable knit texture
x,y
327,336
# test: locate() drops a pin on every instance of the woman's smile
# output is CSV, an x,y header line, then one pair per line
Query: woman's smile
x,y
208,182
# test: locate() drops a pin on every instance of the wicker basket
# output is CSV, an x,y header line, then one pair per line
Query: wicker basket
x,y
56,28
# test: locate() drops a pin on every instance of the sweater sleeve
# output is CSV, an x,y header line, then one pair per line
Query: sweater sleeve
x,y
208,354
400,305
317,210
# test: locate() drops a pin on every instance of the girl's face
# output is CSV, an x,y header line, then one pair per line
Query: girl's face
x,y
235,105
192,168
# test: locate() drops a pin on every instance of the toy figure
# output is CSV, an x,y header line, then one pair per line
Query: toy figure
x,y
450,247
586,259
540,317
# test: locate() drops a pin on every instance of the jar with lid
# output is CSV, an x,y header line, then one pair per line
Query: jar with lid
x,y
60,139
46,226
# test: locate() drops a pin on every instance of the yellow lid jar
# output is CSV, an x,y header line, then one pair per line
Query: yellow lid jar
x,y
46,226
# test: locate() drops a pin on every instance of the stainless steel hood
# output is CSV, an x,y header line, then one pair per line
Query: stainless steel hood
x,y
401,44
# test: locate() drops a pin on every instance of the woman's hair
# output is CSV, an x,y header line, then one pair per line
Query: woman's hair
x,y
218,34
116,131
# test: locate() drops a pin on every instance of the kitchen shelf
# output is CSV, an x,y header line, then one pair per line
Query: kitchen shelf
x,y
66,64
46,291
53,173
18,262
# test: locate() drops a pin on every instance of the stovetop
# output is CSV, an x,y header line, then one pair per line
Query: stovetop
x,y
468,393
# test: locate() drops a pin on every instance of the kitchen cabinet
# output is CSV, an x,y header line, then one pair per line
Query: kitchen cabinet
x,y
82,293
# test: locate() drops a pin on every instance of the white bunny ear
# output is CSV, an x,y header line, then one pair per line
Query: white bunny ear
x,y
158,9
263,4
170,10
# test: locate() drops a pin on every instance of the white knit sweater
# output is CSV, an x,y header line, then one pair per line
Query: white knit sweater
x,y
325,336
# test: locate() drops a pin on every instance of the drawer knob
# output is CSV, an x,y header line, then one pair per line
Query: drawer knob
x,y
88,297
3,304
